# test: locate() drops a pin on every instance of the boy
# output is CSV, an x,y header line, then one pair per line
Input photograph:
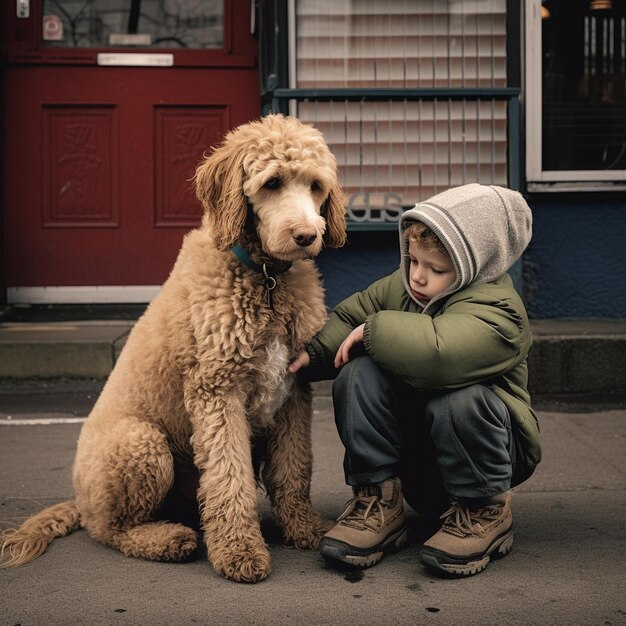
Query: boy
x,y
431,400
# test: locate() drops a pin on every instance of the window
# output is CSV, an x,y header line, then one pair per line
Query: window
x,y
395,152
154,23
576,81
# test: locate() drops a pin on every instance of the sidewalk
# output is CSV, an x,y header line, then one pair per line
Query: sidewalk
x,y
566,567
570,361
567,564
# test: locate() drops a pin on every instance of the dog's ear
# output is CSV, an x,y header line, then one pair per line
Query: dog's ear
x,y
334,212
219,186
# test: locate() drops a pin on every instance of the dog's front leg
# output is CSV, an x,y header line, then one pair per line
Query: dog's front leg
x,y
227,489
287,472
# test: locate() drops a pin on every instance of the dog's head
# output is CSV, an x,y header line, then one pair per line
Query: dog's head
x,y
277,175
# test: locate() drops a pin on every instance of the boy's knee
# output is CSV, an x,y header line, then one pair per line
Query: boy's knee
x,y
365,365
466,405
361,372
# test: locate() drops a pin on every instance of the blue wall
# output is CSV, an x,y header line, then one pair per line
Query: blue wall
x,y
575,266
366,257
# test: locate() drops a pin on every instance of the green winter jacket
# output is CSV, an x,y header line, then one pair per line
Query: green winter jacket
x,y
478,332
480,335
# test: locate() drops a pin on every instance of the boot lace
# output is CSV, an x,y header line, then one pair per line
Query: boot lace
x,y
363,511
461,521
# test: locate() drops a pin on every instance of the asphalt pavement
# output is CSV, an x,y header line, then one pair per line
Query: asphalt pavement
x,y
566,567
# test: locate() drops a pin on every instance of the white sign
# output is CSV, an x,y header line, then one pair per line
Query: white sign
x,y
135,59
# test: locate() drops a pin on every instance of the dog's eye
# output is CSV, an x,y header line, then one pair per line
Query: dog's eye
x,y
272,183
315,186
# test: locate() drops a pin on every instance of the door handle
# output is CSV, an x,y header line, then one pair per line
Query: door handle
x,y
22,9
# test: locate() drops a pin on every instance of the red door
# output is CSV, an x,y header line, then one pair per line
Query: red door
x,y
106,114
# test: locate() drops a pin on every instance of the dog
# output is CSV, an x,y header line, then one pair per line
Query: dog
x,y
204,373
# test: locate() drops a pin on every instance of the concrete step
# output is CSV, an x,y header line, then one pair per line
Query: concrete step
x,y
570,358
77,349
579,359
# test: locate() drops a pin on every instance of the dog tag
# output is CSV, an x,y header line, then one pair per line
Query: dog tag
x,y
269,283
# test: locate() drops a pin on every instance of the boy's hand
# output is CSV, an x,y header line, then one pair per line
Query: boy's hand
x,y
354,338
302,360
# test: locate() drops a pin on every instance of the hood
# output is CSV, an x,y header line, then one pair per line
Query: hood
x,y
484,228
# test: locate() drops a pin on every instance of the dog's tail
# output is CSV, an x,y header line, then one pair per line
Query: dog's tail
x,y
31,539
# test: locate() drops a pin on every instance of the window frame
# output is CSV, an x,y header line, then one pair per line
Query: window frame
x,y
538,179
29,49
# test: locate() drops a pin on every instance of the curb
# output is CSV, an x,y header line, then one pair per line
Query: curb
x,y
568,357
61,349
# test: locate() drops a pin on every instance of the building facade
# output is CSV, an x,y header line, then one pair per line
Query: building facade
x,y
415,97
109,105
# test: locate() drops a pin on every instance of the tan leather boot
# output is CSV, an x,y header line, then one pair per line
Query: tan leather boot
x,y
469,539
372,523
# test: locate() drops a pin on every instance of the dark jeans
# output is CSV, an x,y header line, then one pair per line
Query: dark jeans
x,y
447,443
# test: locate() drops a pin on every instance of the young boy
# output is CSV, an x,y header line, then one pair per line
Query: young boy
x,y
431,398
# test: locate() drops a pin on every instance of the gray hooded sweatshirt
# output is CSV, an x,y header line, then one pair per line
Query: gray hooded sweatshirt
x,y
484,228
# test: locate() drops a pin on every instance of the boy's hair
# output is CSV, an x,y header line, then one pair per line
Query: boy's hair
x,y
425,238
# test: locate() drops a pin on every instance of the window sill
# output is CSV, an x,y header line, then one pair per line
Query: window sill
x,y
562,186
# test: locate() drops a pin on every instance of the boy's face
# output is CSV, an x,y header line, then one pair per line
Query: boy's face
x,y
430,272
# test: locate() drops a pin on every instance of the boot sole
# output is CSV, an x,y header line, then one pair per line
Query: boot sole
x,y
457,566
333,550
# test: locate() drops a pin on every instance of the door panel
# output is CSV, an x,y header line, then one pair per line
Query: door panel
x,y
98,160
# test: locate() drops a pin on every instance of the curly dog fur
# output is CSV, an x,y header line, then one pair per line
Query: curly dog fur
x,y
204,372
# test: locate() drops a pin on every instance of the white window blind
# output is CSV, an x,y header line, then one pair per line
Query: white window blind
x,y
410,149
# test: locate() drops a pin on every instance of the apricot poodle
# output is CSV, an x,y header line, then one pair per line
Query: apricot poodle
x,y
203,376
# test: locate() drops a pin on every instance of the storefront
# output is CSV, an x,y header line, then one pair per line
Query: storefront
x,y
413,98
416,97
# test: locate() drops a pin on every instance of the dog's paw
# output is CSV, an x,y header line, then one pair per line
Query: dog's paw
x,y
307,536
182,546
247,564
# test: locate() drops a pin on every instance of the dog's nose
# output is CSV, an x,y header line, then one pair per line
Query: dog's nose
x,y
304,236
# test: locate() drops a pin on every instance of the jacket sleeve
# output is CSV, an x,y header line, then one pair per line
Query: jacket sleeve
x,y
475,337
346,316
